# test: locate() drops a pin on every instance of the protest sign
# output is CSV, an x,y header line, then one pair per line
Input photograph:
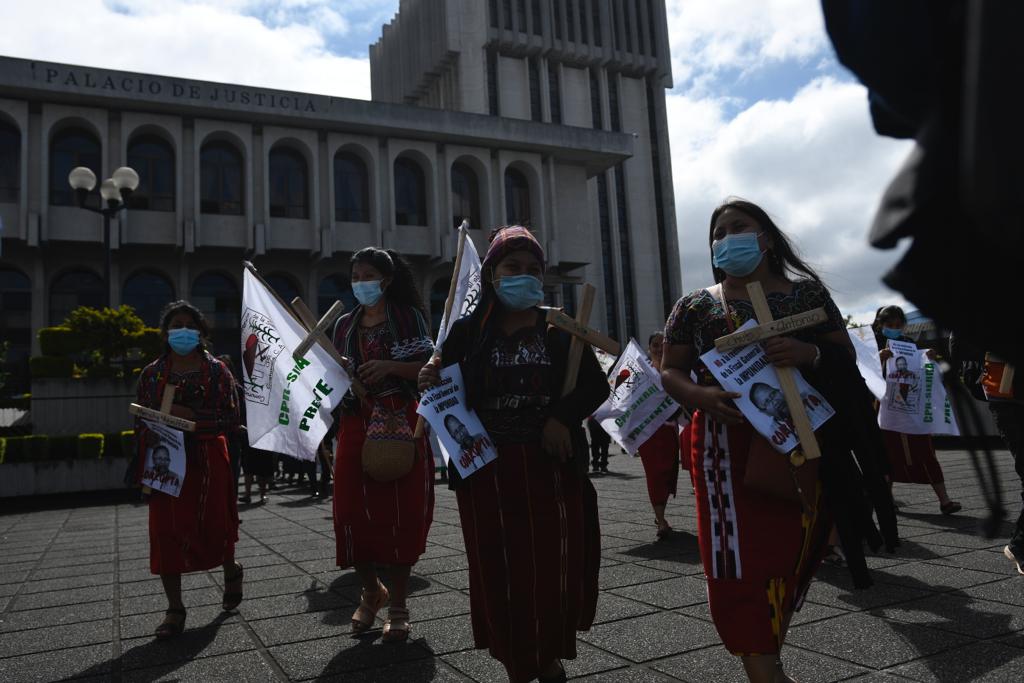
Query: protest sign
x,y
637,405
748,372
915,400
164,468
868,363
459,431
288,400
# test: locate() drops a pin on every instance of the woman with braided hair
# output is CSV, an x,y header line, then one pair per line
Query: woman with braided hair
x,y
382,521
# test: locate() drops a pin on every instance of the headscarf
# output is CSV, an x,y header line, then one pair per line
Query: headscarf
x,y
508,239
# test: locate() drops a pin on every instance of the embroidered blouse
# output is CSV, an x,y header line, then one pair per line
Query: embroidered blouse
x,y
209,391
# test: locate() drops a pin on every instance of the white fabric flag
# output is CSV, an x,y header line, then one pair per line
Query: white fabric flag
x,y
467,289
638,405
288,402
868,363
915,400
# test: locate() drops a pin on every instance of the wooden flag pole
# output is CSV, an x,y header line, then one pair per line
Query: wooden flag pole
x,y
305,316
572,370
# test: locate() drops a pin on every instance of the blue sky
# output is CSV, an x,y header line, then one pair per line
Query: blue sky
x,y
760,108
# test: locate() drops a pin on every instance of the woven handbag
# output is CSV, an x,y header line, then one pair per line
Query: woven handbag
x,y
389,450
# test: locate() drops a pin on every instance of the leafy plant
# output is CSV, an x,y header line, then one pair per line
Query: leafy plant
x,y
108,330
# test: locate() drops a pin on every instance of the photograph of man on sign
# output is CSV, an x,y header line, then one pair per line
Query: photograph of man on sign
x,y
770,401
471,445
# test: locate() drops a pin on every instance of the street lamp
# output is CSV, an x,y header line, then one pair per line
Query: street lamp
x,y
114,191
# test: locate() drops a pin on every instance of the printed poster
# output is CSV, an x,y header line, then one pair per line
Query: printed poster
x,y
868,362
459,431
164,468
748,372
915,400
637,405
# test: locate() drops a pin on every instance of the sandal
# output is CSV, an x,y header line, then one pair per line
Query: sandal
x,y
950,507
233,598
370,602
397,627
560,677
835,557
663,531
171,627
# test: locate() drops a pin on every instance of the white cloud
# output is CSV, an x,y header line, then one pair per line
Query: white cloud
x,y
813,162
251,42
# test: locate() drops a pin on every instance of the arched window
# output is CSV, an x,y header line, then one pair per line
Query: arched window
x,y
410,193
152,157
15,327
438,297
10,163
289,184
517,198
465,196
284,285
221,179
147,292
71,147
351,189
333,288
72,289
217,296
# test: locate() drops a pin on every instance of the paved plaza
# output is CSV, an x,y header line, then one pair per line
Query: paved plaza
x,y
78,601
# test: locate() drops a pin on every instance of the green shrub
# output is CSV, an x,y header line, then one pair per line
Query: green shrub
x,y
90,446
61,448
107,330
23,402
51,366
127,443
101,371
148,341
3,449
60,341
25,448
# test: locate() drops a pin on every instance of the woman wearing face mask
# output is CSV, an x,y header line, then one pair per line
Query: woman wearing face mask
x,y
382,524
911,456
760,551
529,518
660,454
197,530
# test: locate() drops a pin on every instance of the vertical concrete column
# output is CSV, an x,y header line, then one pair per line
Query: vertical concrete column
x,y
443,183
545,89
385,209
257,172
115,159
189,188
40,297
499,215
35,179
322,199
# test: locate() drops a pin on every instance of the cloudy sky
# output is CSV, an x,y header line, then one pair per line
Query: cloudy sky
x,y
760,108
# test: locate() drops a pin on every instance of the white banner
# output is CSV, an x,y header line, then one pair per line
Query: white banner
x,y
288,402
748,372
637,405
164,468
467,289
459,431
915,400
868,363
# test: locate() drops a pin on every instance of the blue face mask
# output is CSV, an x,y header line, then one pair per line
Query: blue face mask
x,y
738,255
183,340
519,292
891,333
368,292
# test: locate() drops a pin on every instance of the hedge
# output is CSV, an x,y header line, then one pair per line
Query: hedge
x,y
23,402
60,341
51,366
38,447
149,342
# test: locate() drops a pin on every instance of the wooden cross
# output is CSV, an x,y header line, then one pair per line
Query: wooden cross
x,y
581,334
318,335
767,327
164,414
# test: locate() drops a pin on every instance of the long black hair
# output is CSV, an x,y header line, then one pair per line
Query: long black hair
x,y
887,314
782,257
390,263
182,306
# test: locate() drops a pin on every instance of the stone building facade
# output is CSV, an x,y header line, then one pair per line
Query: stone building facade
x,y
296,182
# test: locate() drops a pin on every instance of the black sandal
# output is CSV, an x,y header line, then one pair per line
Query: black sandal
x,y
171,629
233,599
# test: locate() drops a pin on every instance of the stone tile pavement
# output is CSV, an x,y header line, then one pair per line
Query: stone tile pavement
x,y
77,600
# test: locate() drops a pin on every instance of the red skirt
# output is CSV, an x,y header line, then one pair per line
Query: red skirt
x,y
374,522
759,552
198,529
660,457
533,542
685,439
912,458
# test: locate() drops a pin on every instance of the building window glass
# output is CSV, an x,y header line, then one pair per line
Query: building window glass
x,y
555,92
596,118
289,184
217,296
10,163
285,286
583,22
410,193
627,27
147,292
535,111
570,19
16,327
607,258
351,189
493,7
538,24
521,15
641,46
595,15
613,102
70,148
569,298
625,252
557,11
465,196
506,6
72,289
153,159
517,198
220,179
616,25
333,288
492,83
659,205
438,297
652,22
